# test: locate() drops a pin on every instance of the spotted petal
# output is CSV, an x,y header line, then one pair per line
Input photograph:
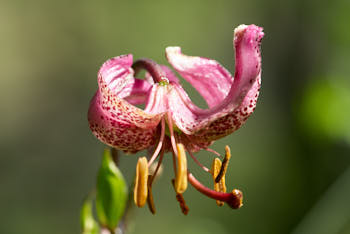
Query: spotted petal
x,y
229,104
112,118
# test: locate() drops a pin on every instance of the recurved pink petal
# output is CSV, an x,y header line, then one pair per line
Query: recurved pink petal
x,y
112,119
137,92
207,76
226,117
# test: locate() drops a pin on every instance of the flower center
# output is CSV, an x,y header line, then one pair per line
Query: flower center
x,y
164,81
153,69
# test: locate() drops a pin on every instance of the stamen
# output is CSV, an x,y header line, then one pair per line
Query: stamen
x,y
233,199
225,162
160,144
174,162
141,188
172,136
181,200
218,186
151,178
158,166
202,147
152,170
181,176
150,201
199,164
213,151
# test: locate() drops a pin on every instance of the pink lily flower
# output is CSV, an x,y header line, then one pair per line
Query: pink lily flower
x,y
170,121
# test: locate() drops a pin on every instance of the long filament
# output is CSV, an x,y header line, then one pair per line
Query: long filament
x,y
202,147
172,136
158,166
174,162
160,144
199,164
213,151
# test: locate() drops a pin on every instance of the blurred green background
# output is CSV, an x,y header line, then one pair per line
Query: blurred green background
x,y
291,159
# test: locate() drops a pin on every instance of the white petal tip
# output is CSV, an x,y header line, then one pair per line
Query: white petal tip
x,y
172,49
240,29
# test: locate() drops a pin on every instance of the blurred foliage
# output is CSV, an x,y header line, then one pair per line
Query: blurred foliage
x,y
87,222
51,52
325,111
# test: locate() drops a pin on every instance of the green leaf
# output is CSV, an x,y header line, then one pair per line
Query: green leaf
x,y
111,196
87,221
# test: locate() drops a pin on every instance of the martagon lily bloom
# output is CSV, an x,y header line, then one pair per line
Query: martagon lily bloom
x,y
170,121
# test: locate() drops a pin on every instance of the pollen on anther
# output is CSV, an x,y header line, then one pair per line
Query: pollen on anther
x,y
219,186
141,182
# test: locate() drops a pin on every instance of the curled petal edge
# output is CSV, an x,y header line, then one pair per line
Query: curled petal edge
x,y
115,121
228,115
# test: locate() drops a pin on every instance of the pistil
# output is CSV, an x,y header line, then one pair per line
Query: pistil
x,y
233,199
